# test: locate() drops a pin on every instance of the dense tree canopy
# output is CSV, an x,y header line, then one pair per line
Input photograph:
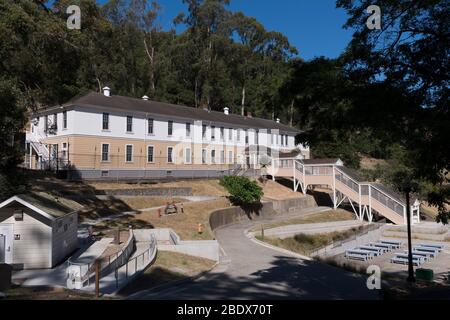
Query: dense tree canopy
x,y
386,96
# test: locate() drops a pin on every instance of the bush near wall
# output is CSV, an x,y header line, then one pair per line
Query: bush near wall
x,y
243,191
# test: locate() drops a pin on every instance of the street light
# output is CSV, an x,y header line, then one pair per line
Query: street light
x,y
411,277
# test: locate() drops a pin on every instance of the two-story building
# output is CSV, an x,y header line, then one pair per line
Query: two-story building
x,y
101,136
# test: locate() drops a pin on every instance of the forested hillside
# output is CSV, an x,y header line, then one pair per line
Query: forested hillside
x,y
386,96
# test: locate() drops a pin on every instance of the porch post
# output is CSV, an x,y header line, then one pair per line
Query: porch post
x,y
334,190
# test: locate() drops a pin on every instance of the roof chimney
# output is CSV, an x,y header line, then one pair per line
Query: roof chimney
x,y
144,98
278,120
107,91
226,110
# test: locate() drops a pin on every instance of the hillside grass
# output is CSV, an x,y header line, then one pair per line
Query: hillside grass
x,y
305,244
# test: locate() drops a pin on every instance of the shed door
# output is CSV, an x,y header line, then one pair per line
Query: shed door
x,y
6,243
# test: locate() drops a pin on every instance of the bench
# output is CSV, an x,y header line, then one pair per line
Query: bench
x,y
423,253
404,261
377,251
414,257
387,247
423,249
426,255
433,246
354,256
397,244
359,253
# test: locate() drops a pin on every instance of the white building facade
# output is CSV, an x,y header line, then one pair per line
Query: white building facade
x,y
100,136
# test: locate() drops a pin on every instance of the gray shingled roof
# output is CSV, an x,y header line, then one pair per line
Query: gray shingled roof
x,y
49,204
124,104
320,161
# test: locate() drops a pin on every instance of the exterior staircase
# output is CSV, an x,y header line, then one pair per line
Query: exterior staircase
x,y
365,198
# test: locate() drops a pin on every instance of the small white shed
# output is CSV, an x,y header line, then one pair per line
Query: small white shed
x,y
36,231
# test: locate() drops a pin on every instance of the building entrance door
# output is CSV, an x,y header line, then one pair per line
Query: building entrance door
x,y
6,250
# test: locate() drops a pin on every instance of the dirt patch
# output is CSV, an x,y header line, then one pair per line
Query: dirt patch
x,y
276,191
47,293
169,266
185,223
138,203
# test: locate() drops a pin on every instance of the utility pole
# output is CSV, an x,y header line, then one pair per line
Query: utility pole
x,y
97,278
411,277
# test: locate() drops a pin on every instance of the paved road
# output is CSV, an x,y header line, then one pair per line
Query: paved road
x,y
252,271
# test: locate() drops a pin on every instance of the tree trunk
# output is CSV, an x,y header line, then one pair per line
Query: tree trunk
x,y
150,50
243,101
291,113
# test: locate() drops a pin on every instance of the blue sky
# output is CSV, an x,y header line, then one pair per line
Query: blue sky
x,y
314,27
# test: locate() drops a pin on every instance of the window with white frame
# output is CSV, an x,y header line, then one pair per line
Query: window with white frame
x,y
150,154
187,155
64,119
46,123
222,133
55,121
129,124
213,156
246,136
170,128
222,156
105,121
129,153
105,152
204,131
170,154
188,129
204,155
238,135
213,132
230,157
256,137
230,134
150,123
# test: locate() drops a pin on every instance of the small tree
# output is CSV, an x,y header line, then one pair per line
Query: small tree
x,y
243,191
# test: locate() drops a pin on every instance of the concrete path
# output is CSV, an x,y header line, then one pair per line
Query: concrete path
x,y
109,284
252,271
94,251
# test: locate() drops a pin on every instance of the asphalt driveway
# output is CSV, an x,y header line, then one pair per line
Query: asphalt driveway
x,y
252,271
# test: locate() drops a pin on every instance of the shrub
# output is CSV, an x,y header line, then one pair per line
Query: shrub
x,y
243,191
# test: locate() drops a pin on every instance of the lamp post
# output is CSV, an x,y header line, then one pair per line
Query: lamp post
x,y
411,277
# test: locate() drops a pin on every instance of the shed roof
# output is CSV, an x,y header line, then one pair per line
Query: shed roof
x,y
43,203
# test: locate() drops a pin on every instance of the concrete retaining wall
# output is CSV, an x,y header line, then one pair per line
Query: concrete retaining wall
x,y
332,250
283,206
164,192
222,217
139,174
168,240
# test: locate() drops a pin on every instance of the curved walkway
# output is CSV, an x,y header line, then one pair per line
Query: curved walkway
x,y
253,271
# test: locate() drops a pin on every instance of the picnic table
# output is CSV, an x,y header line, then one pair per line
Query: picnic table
x,y
397,244
378,251
434,246
425,249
